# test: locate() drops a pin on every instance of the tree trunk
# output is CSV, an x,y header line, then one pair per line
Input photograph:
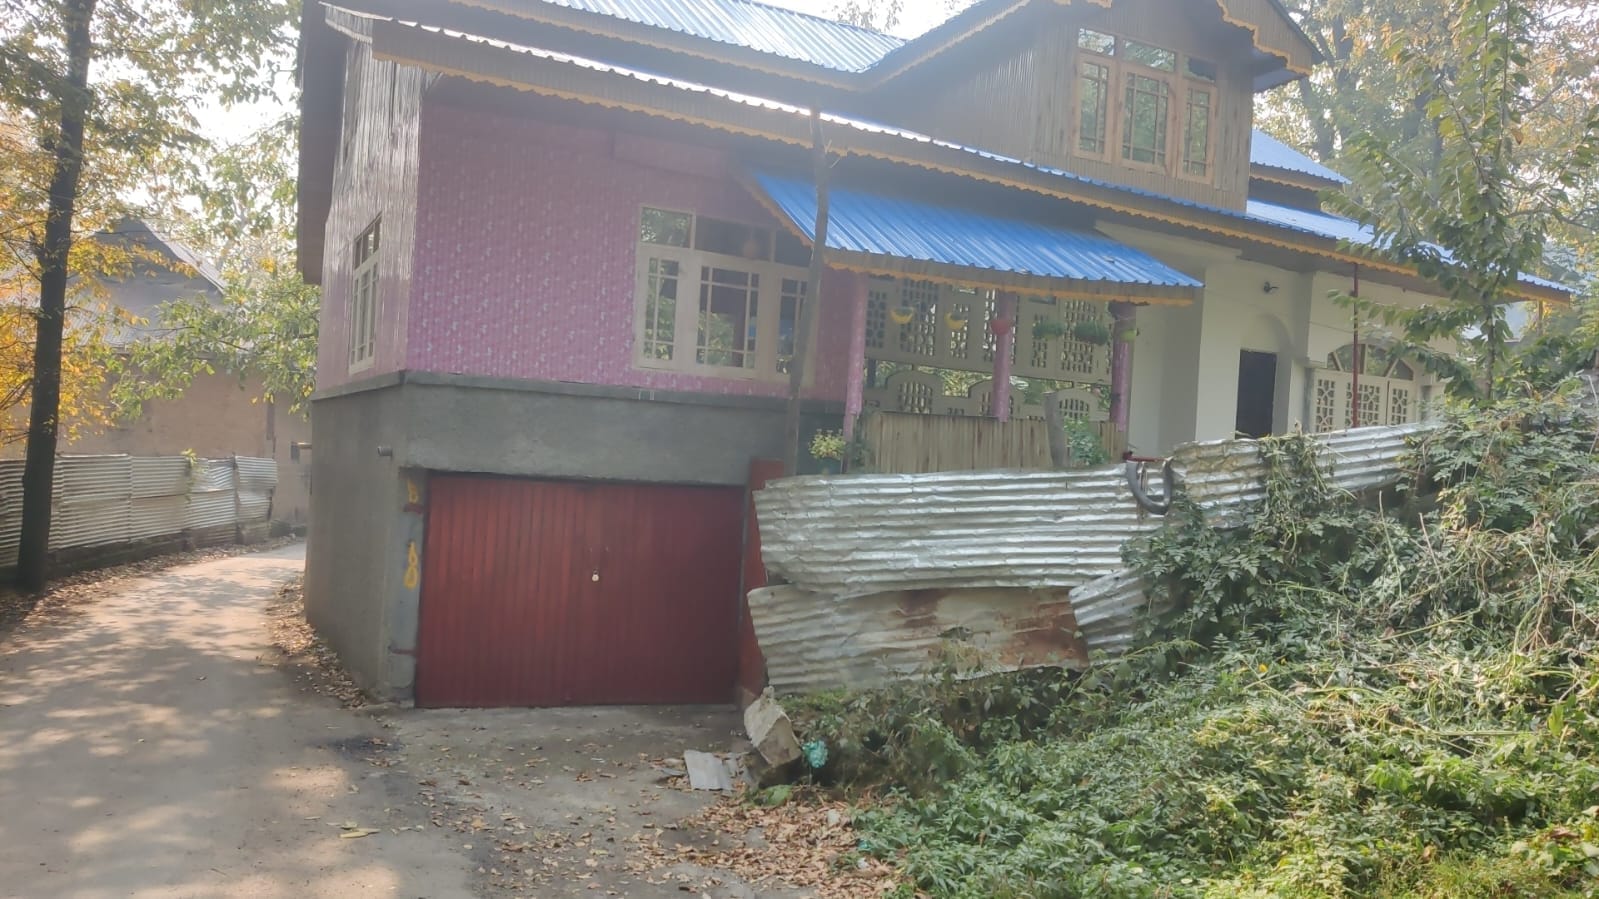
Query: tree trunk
x,y
808,310
38,473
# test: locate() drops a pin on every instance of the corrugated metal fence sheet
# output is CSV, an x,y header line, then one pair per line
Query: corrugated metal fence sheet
x,y
93,500
105,500
864,534
10,510
860,550
211,502
256,480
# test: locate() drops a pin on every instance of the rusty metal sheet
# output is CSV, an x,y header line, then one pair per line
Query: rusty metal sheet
x,y
816,642
857,549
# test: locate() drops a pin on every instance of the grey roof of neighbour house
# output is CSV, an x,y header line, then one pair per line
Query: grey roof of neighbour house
x,y
1269,152
141,292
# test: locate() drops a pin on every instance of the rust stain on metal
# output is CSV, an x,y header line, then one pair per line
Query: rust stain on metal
x,y
817,642
1025,566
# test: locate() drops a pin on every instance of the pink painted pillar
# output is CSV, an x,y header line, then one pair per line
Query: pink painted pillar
x,y
854,286
1004,328
1121,361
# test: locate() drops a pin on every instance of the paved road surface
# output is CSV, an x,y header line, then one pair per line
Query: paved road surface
x,y
149,748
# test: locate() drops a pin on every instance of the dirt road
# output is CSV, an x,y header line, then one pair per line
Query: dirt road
x,y
150,748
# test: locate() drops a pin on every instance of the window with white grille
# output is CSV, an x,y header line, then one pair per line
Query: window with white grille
x,y
363,307
717,297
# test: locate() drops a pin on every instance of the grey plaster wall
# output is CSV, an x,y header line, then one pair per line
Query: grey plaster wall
x,y
567,431
356,524
367,515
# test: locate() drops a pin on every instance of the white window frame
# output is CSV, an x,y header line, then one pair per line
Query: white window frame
x,y
364,305
685,329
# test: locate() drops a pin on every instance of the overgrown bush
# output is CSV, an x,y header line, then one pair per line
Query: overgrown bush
x,y
1392,696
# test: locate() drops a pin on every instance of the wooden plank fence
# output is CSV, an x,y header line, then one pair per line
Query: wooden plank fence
x,y
908,443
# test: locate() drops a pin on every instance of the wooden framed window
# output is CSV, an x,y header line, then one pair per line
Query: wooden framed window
x,y
1156,106
1198,115
717,297
1093,107
1146,119
363,306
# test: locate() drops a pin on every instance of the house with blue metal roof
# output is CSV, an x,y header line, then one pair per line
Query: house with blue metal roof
x,y
567,247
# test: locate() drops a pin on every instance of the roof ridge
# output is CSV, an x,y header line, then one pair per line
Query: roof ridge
x,y
813,16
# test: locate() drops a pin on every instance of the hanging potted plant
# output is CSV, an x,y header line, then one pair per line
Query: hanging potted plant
x,y
1091,332
1127,335
828,448
955,321
999,327
902,314
1048,329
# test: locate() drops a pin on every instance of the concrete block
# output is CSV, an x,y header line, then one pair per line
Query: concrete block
x,y
771,731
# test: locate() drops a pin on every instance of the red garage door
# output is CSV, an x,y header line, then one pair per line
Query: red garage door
x,y
544,593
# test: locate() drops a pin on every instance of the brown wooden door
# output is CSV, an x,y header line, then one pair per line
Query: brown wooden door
x,y
545,593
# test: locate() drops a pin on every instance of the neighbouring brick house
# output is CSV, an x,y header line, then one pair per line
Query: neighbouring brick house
x,y
563,248
217,416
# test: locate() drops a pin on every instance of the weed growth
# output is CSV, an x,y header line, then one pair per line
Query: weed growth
x,y
1376,696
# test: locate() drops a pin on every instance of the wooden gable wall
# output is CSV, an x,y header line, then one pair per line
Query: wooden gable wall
x,y
1015,94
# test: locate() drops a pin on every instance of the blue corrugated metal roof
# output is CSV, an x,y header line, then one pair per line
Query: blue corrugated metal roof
x,y
1268,151
756,26
863,222
1337,227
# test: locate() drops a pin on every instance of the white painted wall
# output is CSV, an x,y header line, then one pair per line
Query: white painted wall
x,y
1185,360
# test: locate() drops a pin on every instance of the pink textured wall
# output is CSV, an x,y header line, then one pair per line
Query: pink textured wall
x,y
377,177
526,251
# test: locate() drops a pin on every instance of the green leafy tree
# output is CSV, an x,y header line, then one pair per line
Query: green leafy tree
x,y
1480,217
265,326
104,88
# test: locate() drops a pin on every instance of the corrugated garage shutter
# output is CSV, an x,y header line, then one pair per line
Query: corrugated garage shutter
x,y
543,593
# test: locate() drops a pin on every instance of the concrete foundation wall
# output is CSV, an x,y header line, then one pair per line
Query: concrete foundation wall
x,y
351,559
378,441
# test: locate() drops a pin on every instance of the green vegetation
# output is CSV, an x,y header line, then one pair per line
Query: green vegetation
x,y
1344,696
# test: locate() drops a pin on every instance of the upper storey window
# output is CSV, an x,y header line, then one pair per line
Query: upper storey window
x,y
1145,106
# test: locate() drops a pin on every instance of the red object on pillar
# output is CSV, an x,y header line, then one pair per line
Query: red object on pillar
x,y
1004,314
